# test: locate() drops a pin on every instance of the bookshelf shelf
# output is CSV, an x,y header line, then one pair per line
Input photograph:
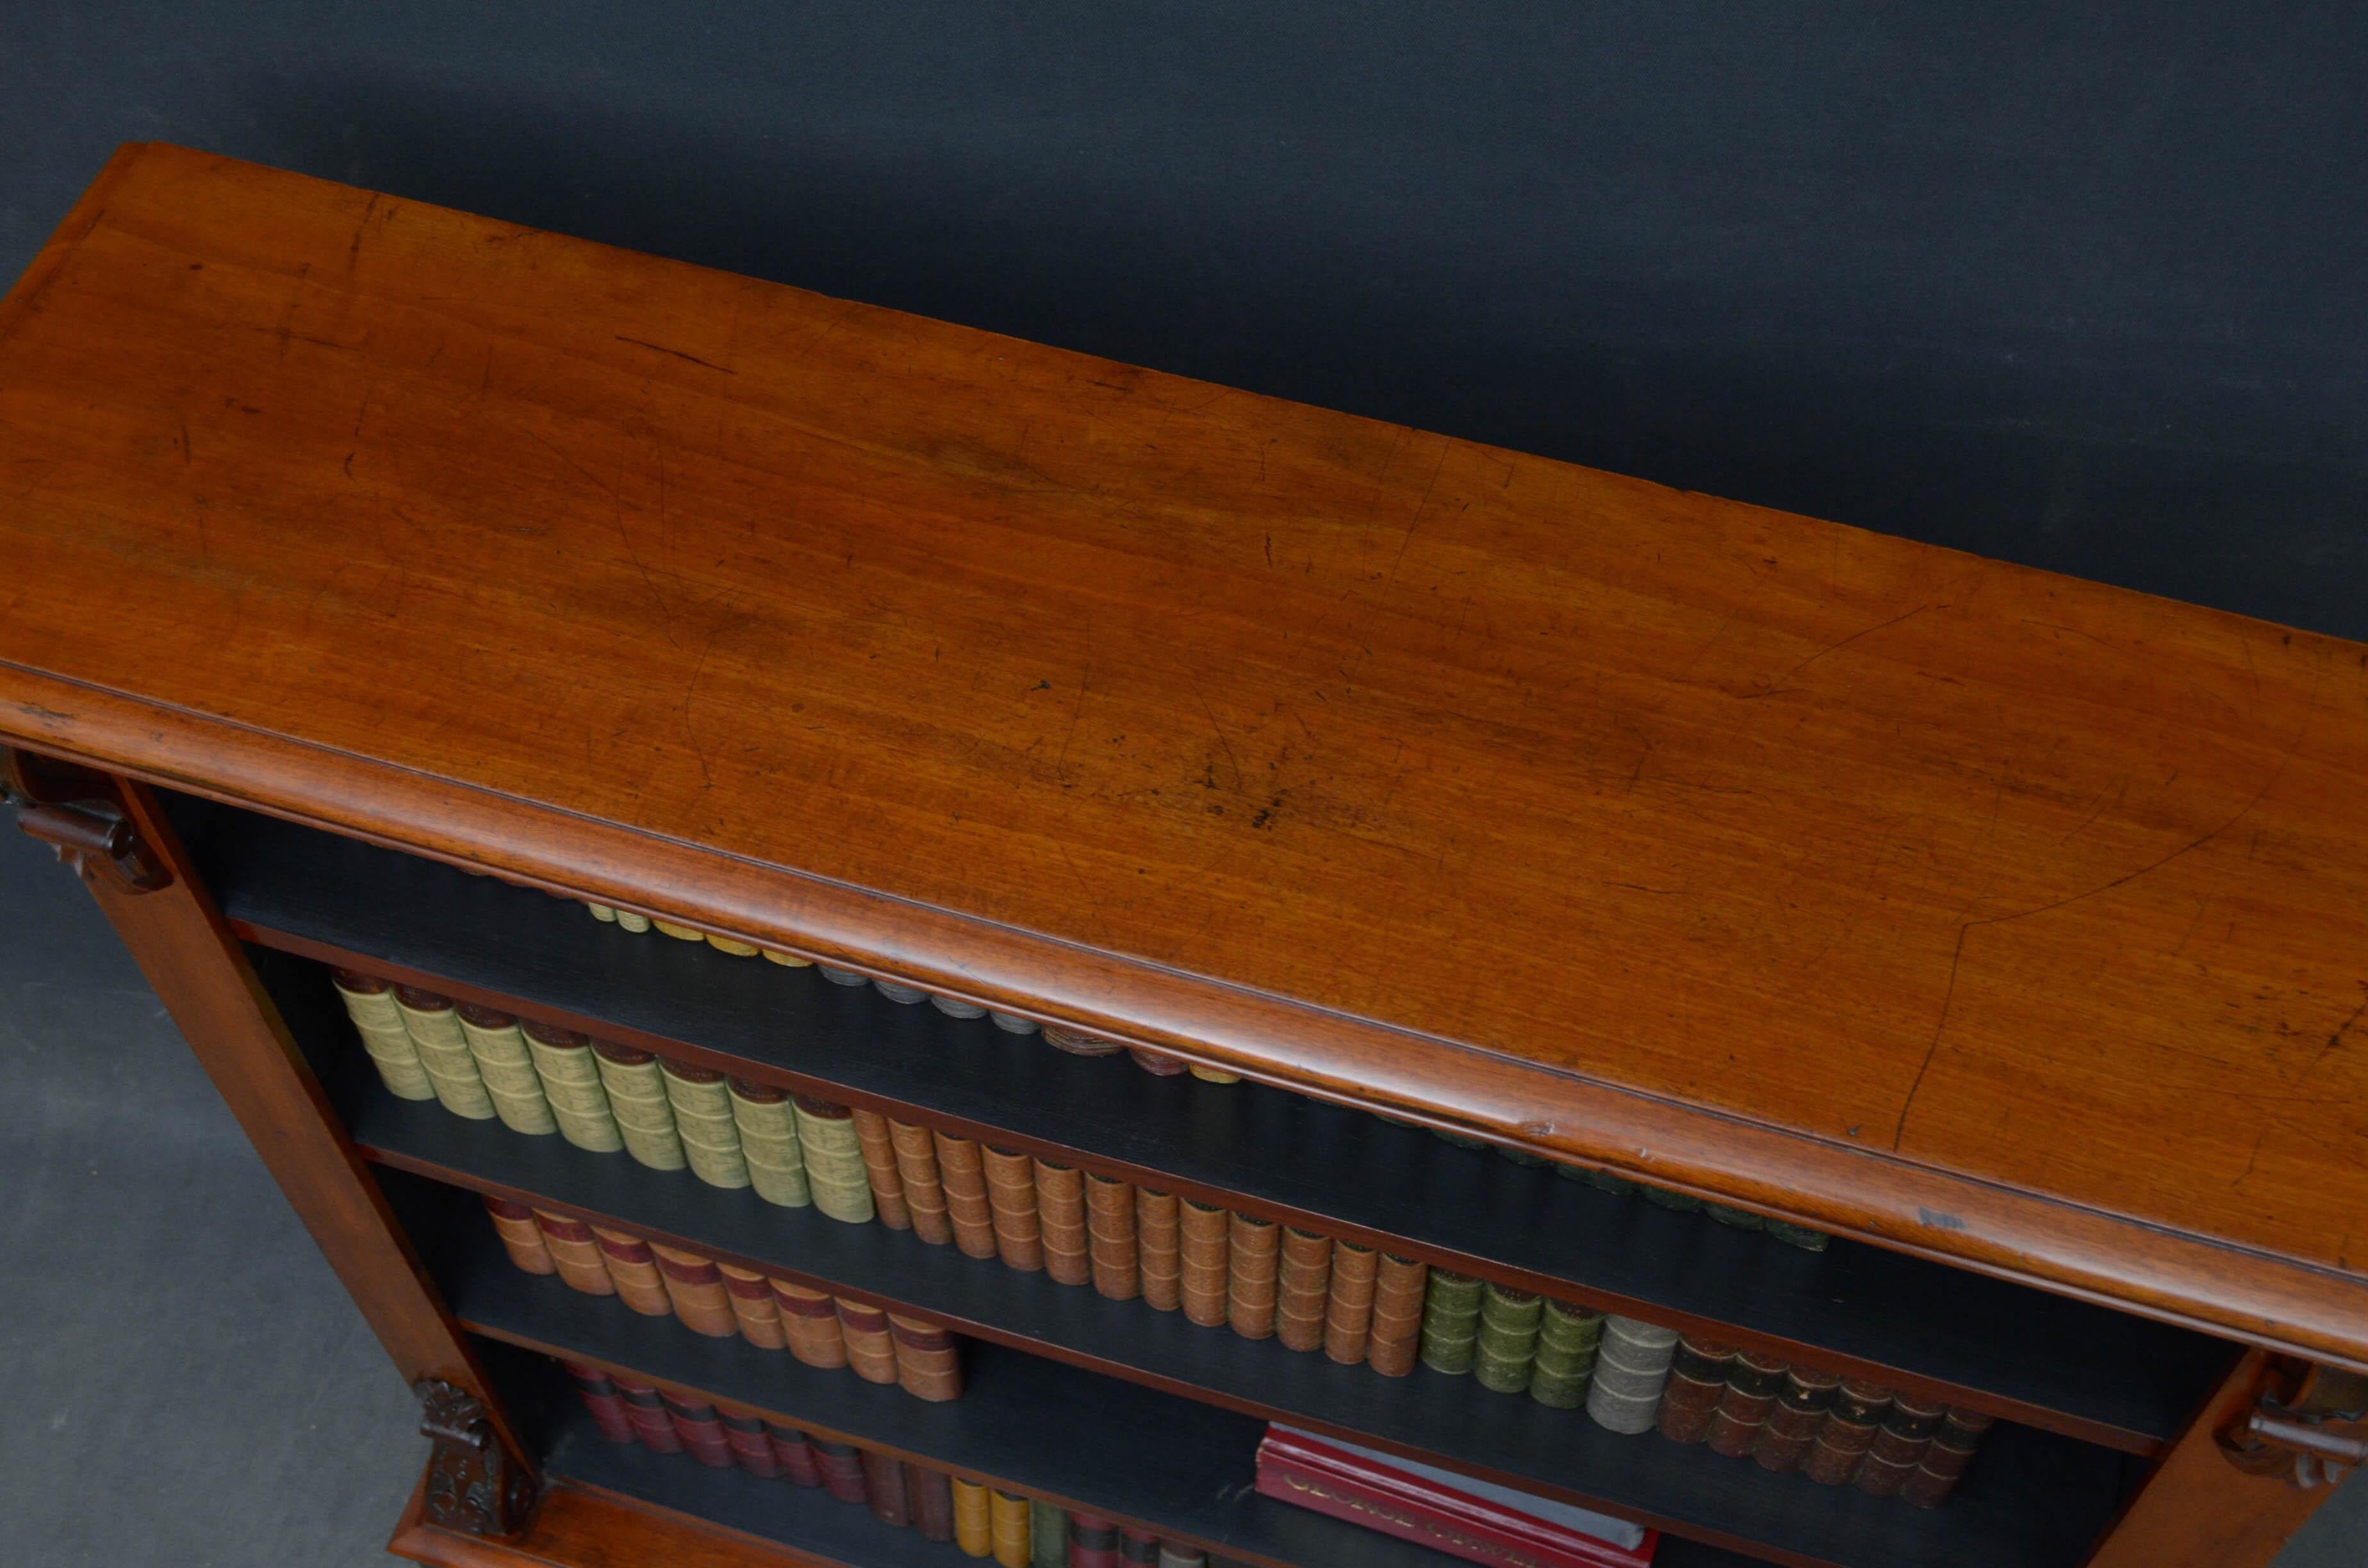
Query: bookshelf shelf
x,y
2040,1498
2086,1371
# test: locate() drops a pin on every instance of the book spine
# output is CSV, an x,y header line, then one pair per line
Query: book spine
x,y
645,1408
1078,1042
1138,1548
1698,1374
878,1146
834,1157
974,1517
1630,1369
1061,1223
1394,1337
927,1363
1507,1346
506,1068
842,1470
768,1142
570,1076
1010,1520
1900,1445
962,1171
1794,1424
751,1449
434,1027
637,1101
1253,1275
575,1253
1451,1322
1011,1195
1048,1535
810,1322
917,1171
797,1461
1741,1418
1158,1063
1943,1463
1158,1241
884,1488
1204,1260
1348,1302
1848,1431
521,1236
1303,1283
870,1347
932,1495
1093,1541
700,1429
753,1307
1569,1335
369,1003
704,1122
1110,1233
695,1285
1414,1509
601,1398
633,1269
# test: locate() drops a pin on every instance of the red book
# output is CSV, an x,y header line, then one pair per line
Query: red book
x,y
1455,1515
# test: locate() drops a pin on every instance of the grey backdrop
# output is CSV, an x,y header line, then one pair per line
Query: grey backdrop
x,y
2076,287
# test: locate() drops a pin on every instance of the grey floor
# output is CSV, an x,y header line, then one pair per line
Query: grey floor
x,y
187,1384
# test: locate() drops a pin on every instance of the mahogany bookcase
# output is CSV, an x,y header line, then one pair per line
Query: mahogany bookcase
x,y
376,572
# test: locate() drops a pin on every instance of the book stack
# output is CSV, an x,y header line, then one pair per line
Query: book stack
x,y
1835,1430
1218,1267
721,1300
983,1521
1475,1520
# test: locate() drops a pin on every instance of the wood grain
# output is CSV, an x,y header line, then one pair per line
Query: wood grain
x,y
2199,1511
1975,910
577,1527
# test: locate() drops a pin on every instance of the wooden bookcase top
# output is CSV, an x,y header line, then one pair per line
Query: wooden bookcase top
x,y
1984,912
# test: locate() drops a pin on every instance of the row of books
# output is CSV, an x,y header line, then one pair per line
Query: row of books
x,y
722,1300
1015,1529
1630,1376
1082,1042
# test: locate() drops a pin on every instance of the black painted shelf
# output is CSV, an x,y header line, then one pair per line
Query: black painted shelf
x,y
2111,1377
2035,1498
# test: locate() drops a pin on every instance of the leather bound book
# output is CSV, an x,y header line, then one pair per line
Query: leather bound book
x,y
695,1285
638,1104
962,1170
754,1308
884,1487
575,1253
703,1120
768,1142
928,1364
634,1269
1253,1276
521,1236
507,1068
842,1470
701,1428
1011,1199
1454,1514
1202,1259
879,1149
752,1448
871,1347
810,1322
1061,1223
1348,1302
924,1189
834,1158
974,1517
1158,1248
1111,1233
645,1408
1093,1541
1752,1385
1394,1337
571,1086
601,1399
1302,1286
369,1002
931,1494
1012,1523
1138,1548
1048,1535
797,1460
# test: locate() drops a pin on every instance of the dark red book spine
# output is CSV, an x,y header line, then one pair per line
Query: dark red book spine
x,y
601,1398
645,1408
883,1479
1314,1475
1093,1541
1138,1547
931,1493
796,1459
751,1449
842,1470
701,1431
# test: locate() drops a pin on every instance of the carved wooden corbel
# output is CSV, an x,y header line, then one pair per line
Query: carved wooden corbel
x,y
2310,1427
77,813
472,1486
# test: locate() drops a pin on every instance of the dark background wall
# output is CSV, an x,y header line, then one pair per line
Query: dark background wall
x,y
2078,286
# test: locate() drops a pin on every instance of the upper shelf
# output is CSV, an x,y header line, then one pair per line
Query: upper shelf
x,y
1996,913
2024,1354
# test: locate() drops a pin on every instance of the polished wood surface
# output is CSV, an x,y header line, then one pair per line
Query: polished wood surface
x,y
579,1527
1982,912
2199,1511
